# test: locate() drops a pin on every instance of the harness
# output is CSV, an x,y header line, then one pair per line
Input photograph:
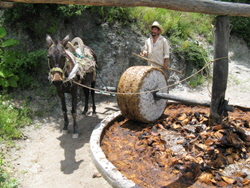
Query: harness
x,y
58,69
82,59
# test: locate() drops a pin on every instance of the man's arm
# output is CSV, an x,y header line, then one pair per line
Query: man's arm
x,y
144,51
166,63
166,53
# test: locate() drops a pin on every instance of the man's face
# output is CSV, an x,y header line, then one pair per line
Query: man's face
x,y
155,31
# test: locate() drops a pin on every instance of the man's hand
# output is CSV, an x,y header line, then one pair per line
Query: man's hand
x,y
143,53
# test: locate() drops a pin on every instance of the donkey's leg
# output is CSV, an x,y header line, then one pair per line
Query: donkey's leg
x,y
74,112
93,99
64,110
86,105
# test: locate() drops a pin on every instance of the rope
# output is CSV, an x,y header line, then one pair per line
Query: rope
x,y
102,80
116,93
78,55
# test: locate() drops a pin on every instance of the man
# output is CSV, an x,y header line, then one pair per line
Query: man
x,y
156,47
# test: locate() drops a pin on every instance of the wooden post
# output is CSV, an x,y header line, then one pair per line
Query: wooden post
x,y
220,68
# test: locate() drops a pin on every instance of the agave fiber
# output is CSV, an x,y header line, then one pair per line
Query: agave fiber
x,y
141,105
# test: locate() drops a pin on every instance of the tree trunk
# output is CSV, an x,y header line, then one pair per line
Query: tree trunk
x,y
220,68
199,6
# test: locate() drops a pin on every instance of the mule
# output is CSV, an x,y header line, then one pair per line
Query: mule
x,y
61,63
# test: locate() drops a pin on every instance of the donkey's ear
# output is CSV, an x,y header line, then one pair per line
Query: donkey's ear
x,y
49,40
65,41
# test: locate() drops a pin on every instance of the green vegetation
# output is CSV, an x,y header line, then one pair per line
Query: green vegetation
x,y
113,14
176,24
17,68
241,28
196,80
5,180
240,25
7,77
12,119
17,16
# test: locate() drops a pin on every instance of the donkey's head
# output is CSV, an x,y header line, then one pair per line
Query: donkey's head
x,y
57,59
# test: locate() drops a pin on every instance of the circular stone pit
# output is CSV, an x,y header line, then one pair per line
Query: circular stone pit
x,y
178,136
105,167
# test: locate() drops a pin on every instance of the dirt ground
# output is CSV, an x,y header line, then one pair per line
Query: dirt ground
x,y
49,159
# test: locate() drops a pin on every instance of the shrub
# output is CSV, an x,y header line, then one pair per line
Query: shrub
x,y
17,68
240,25
7,76
196,80
12,119
190,52
17,16
5,180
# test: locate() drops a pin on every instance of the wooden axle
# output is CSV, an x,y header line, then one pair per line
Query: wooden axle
x,y
167,96
224,107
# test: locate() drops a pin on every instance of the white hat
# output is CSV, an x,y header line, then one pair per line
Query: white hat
x,y
156,24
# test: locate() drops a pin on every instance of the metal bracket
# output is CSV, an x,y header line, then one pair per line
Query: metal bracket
x,y
224,108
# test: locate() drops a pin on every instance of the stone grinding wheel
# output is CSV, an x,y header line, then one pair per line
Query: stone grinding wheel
x,y
142,107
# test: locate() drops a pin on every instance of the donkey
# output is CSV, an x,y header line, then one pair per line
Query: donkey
x,y
61,63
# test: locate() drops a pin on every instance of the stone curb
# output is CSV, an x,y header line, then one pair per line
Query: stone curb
x,y
106,168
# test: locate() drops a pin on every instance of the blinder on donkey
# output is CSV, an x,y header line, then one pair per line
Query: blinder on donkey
x,y
72,61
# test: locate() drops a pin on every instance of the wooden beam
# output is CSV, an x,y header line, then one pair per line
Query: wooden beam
x,y
220,68
198,6
4,4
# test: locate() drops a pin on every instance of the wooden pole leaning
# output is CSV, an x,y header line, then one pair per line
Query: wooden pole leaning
x,y
156,63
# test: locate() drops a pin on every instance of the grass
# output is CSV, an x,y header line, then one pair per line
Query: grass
x,y
5,179
175,23
196,80
11,121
